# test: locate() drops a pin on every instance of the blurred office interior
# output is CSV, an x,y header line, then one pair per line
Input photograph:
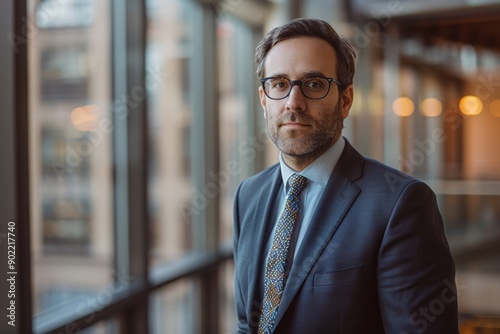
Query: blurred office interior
x,y
128,124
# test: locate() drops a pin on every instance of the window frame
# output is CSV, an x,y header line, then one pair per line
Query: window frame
x,y
15,195
128,305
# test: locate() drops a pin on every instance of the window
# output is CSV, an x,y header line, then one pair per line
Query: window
x,y
174,308
70,157
169,62
241,149
125,134
429,108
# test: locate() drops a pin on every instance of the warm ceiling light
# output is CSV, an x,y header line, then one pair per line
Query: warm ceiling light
x,y
470,105
431,107
85,118
495,108
403,106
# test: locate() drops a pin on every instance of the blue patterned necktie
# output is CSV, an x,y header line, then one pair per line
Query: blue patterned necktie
x,y
274,281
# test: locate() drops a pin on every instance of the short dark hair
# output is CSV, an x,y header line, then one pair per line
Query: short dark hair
x,y
305,27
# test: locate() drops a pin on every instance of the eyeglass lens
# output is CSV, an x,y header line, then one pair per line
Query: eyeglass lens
x,y
314,88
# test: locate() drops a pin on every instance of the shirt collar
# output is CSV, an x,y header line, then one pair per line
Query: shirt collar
x,y
319,170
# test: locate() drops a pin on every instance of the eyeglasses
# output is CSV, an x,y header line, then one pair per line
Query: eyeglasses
x,y
315,88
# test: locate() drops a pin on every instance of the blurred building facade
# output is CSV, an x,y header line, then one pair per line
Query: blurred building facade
x,y
135,150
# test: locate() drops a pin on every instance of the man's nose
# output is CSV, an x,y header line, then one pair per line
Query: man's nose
x,y
296,100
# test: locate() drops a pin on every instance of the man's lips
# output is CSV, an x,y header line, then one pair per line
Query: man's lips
x,y
294,125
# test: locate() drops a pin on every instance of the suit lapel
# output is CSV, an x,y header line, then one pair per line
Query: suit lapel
x,y
338,197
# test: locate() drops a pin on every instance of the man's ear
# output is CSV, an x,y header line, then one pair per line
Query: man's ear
x,y
346,101
263,100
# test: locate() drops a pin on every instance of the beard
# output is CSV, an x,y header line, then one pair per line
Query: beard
x,y
324,133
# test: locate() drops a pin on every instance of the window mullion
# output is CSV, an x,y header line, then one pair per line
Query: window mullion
x,y
130,152
205,159
14,169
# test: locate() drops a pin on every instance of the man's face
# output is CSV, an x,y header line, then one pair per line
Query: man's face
x,y
302,128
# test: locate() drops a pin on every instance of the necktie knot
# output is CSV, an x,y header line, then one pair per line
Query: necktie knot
x,y
297,183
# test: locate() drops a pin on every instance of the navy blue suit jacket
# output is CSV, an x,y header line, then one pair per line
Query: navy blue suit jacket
x,y
374,260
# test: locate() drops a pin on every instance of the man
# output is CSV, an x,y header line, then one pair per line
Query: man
x,y
328,241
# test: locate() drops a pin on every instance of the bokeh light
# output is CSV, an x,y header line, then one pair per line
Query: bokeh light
x,y
470,105
85,118
431,107
403,107
495,108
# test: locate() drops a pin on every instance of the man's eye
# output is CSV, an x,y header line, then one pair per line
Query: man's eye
x,y
314,84
279,84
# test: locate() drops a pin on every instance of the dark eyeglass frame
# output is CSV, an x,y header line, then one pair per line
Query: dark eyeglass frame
x,y
299,83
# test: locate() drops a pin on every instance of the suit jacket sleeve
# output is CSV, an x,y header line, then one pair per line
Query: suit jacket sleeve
x,y
239,298
416,272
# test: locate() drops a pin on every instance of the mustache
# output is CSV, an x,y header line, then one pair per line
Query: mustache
x,y
295,117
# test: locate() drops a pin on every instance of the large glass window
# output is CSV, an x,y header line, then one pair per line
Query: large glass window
x,y
104,327
174,309
70,150
438,96
169,55
142,121
447,124
241,149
